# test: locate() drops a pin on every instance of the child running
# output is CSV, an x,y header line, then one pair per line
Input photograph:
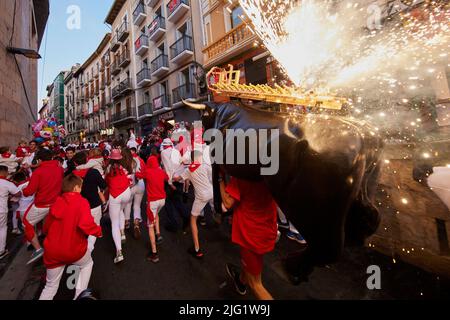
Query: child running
x,y
21,180
67,227
7,189
156,198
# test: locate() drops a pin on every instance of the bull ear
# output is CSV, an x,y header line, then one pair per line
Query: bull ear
x,y
193,105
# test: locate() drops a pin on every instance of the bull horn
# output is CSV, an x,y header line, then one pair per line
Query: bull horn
x,y
196,106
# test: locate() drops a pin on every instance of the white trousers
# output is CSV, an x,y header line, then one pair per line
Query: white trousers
x,y
3,230
54,277
97,215
137,193
155,207
15,220
117,215
36,215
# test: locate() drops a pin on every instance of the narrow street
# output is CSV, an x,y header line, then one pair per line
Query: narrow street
x,y
180,276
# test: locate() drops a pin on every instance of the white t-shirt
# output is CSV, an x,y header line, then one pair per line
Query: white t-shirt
x,y
24,202
28,159
201,179
171,160
6,188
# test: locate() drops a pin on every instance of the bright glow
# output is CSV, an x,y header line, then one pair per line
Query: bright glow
x,y
325,44
404,201
426,155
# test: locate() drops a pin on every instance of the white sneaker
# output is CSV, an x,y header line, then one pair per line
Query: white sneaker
x,y
16,231
118,258
123,238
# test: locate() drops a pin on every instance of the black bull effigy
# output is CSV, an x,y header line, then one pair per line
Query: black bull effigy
x,y
325,185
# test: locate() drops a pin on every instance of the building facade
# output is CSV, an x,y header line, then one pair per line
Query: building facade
x,y
69,106
92,93
55,96
227,40
18,74
44,110
156,54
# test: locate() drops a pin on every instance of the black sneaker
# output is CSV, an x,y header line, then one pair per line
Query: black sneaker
x,y
234,274
202,221
196,254
159,239
153,257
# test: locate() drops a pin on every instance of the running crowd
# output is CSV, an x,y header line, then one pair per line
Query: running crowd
x,y
61,194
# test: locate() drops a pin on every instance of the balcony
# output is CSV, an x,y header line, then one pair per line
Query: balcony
x,y
124,115
161,102
141,45
143,77
115,68
108,77
115,93
126,87
151,3
139,14
181,50
160,65
157,29
102,66
184,91
145,110
176,9
233,43
123,32
102,82
124,59
115,44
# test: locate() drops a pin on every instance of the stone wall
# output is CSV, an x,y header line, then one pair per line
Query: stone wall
x,y
16,115
409,210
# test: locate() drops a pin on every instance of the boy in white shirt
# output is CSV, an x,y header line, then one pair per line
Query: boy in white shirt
x,y
23,203
7,189
199,174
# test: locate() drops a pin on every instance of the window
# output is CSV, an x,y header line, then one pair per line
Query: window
x,y
235,15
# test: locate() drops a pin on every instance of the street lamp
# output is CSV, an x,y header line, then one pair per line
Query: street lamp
x,y
29,53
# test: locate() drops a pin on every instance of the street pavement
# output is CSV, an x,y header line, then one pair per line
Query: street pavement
x,y
180,276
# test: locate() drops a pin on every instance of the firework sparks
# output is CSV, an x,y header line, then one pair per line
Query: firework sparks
x,y
326,43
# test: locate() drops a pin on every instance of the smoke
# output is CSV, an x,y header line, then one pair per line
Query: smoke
x,y
344,46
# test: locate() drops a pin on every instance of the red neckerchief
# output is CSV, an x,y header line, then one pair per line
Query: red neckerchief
x,y
7,155
194,166
167,147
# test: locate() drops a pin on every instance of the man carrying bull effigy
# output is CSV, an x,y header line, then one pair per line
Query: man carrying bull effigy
x,y
254,229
